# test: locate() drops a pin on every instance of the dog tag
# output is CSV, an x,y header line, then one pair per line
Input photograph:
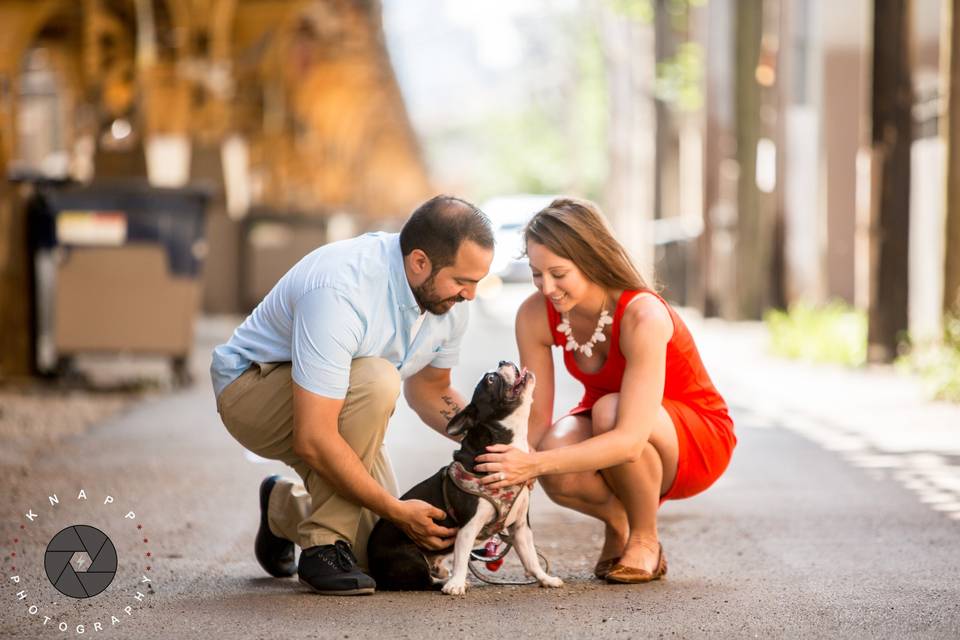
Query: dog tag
x,y
495,565
490,550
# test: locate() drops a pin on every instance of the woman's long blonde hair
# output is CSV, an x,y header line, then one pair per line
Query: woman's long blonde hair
x,y
575,229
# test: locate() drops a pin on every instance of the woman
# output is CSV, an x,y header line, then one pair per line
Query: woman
x,y
650,427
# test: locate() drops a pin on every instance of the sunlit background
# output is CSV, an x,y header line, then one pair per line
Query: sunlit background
x,y
786,159
786,171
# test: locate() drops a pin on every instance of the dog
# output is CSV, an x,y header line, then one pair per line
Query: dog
x,y
497,414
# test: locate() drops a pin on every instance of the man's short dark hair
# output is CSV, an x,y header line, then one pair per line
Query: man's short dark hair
x,y
440,224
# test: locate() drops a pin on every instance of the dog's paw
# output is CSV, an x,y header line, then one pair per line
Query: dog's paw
x,y
455,587
440,572
551,581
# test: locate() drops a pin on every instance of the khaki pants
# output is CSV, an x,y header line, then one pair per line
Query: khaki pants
x,y
257,409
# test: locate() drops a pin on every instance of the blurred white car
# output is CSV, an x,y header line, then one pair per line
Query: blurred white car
x,y
509,214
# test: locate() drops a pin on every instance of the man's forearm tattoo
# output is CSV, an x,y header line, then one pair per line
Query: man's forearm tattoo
x,y
451,410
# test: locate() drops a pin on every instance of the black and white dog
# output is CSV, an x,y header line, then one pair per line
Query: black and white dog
x,y
497,414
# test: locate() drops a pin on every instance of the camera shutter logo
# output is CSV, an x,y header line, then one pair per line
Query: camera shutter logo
x,y
67,567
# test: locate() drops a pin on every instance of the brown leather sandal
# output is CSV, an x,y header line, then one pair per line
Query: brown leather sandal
x,y
603,567
623,574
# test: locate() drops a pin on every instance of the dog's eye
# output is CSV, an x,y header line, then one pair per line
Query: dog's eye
x,y
490,378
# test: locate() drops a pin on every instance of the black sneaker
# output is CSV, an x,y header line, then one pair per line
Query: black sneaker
x,y
331,569
275,554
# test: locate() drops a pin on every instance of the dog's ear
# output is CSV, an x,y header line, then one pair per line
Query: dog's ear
x,y
462,421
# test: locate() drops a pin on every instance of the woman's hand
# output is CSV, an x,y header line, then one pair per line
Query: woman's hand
x,y
507,466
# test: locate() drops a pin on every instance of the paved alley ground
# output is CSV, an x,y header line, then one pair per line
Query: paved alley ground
x,y
829,522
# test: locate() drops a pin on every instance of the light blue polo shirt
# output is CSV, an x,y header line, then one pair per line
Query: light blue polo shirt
x,y
345,300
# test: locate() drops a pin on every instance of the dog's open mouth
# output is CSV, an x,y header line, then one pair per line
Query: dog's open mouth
x,y
521,382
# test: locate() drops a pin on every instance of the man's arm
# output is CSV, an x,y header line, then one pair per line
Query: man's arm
x,y
429,393
317,441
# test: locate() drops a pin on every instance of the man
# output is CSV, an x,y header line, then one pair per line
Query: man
x,y
312,376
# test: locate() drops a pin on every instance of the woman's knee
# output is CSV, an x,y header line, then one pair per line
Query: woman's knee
x,y
561,485
565,431
604,413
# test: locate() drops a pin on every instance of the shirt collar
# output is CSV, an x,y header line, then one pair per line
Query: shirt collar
x,y
398,278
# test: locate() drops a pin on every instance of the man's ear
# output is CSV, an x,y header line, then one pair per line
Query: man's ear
x,y
462,421
419,263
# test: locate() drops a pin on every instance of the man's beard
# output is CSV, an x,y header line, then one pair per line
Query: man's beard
x,y
426,297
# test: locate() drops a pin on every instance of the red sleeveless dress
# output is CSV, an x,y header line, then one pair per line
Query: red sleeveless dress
x,y
699,413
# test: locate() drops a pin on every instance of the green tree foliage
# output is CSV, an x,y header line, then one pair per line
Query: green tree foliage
x,y
938,362
680,78
556,143
835,333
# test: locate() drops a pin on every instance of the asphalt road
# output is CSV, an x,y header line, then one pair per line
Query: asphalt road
x,y
792,542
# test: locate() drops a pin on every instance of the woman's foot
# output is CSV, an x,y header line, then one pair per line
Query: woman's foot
x,y
641,553
624,574
614,541
603,566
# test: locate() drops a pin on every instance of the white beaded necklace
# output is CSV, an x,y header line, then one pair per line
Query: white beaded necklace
x,y
598,336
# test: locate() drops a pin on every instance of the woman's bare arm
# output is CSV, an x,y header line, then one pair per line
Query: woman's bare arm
x,y
644,333
646,328
534,341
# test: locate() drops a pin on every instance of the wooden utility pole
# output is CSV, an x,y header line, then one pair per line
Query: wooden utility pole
x,y
950,130
721,174
666,154
753,244
20,20
16,309
892,135
771,201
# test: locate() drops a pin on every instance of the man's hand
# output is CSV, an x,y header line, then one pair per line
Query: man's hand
x,y
416,519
